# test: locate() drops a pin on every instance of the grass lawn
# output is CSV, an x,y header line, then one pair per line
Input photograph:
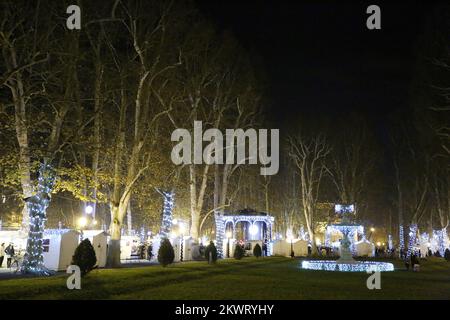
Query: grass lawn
x,y
250,278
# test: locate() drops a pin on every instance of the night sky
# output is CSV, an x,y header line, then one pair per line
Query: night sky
x,y
320,58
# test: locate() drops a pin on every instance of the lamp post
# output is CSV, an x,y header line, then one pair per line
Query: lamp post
x,y
228,243
372,230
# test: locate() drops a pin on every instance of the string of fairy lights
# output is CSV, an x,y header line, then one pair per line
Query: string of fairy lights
x,y
166,223
220,233
37,205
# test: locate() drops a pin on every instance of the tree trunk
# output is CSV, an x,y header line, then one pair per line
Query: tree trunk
x,y
113,260
34,262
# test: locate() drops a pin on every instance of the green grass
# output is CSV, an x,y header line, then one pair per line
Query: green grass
x,y
250,278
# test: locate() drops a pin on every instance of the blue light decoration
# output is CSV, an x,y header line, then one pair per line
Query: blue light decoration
x,y
441,238
222,220
401,235
342,208
220,233
168,204
412,239
351,230
359,266
33,262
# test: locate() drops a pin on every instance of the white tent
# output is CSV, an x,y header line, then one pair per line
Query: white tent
x,y
176,244
129,246
59,246
283,247
300,248
98,239
280,248
364,248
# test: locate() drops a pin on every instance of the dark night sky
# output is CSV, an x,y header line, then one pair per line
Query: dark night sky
x,y
320,58
322,61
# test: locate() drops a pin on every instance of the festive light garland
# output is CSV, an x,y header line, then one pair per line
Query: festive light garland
x,y
303,235
37,205
359,266
401,234
168,204
441,239
351,230
223,220
220,234
412,239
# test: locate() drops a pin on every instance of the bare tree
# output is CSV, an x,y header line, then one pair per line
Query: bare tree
x,y
309,154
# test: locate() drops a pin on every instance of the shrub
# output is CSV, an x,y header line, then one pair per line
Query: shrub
x,y
239,252
84,257
257,252
166,255
447,254
437,254
211,248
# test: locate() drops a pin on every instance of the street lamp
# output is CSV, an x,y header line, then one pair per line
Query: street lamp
x,y
89,209
372,230
82,222
228,234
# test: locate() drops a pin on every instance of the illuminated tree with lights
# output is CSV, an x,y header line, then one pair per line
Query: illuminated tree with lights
x,y
167,213
37,204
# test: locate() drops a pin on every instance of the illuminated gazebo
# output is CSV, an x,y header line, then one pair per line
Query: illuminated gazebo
x,y
254,226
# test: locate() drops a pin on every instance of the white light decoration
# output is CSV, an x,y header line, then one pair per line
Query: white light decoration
x,y
390,243
340,208
89,209
220,232
441,239
412,239
303,235
359,266
168,204
253,229
401,235
351,230
33,262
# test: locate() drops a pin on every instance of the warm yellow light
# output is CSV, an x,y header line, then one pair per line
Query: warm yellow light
x,y
372,229
94,222
384,244
82,222
378,244
175,221
228,234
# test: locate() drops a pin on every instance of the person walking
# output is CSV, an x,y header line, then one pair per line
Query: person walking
x,y
2,253
9,254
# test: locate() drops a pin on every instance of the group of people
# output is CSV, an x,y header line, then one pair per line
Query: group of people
x,y
7,251
145,251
